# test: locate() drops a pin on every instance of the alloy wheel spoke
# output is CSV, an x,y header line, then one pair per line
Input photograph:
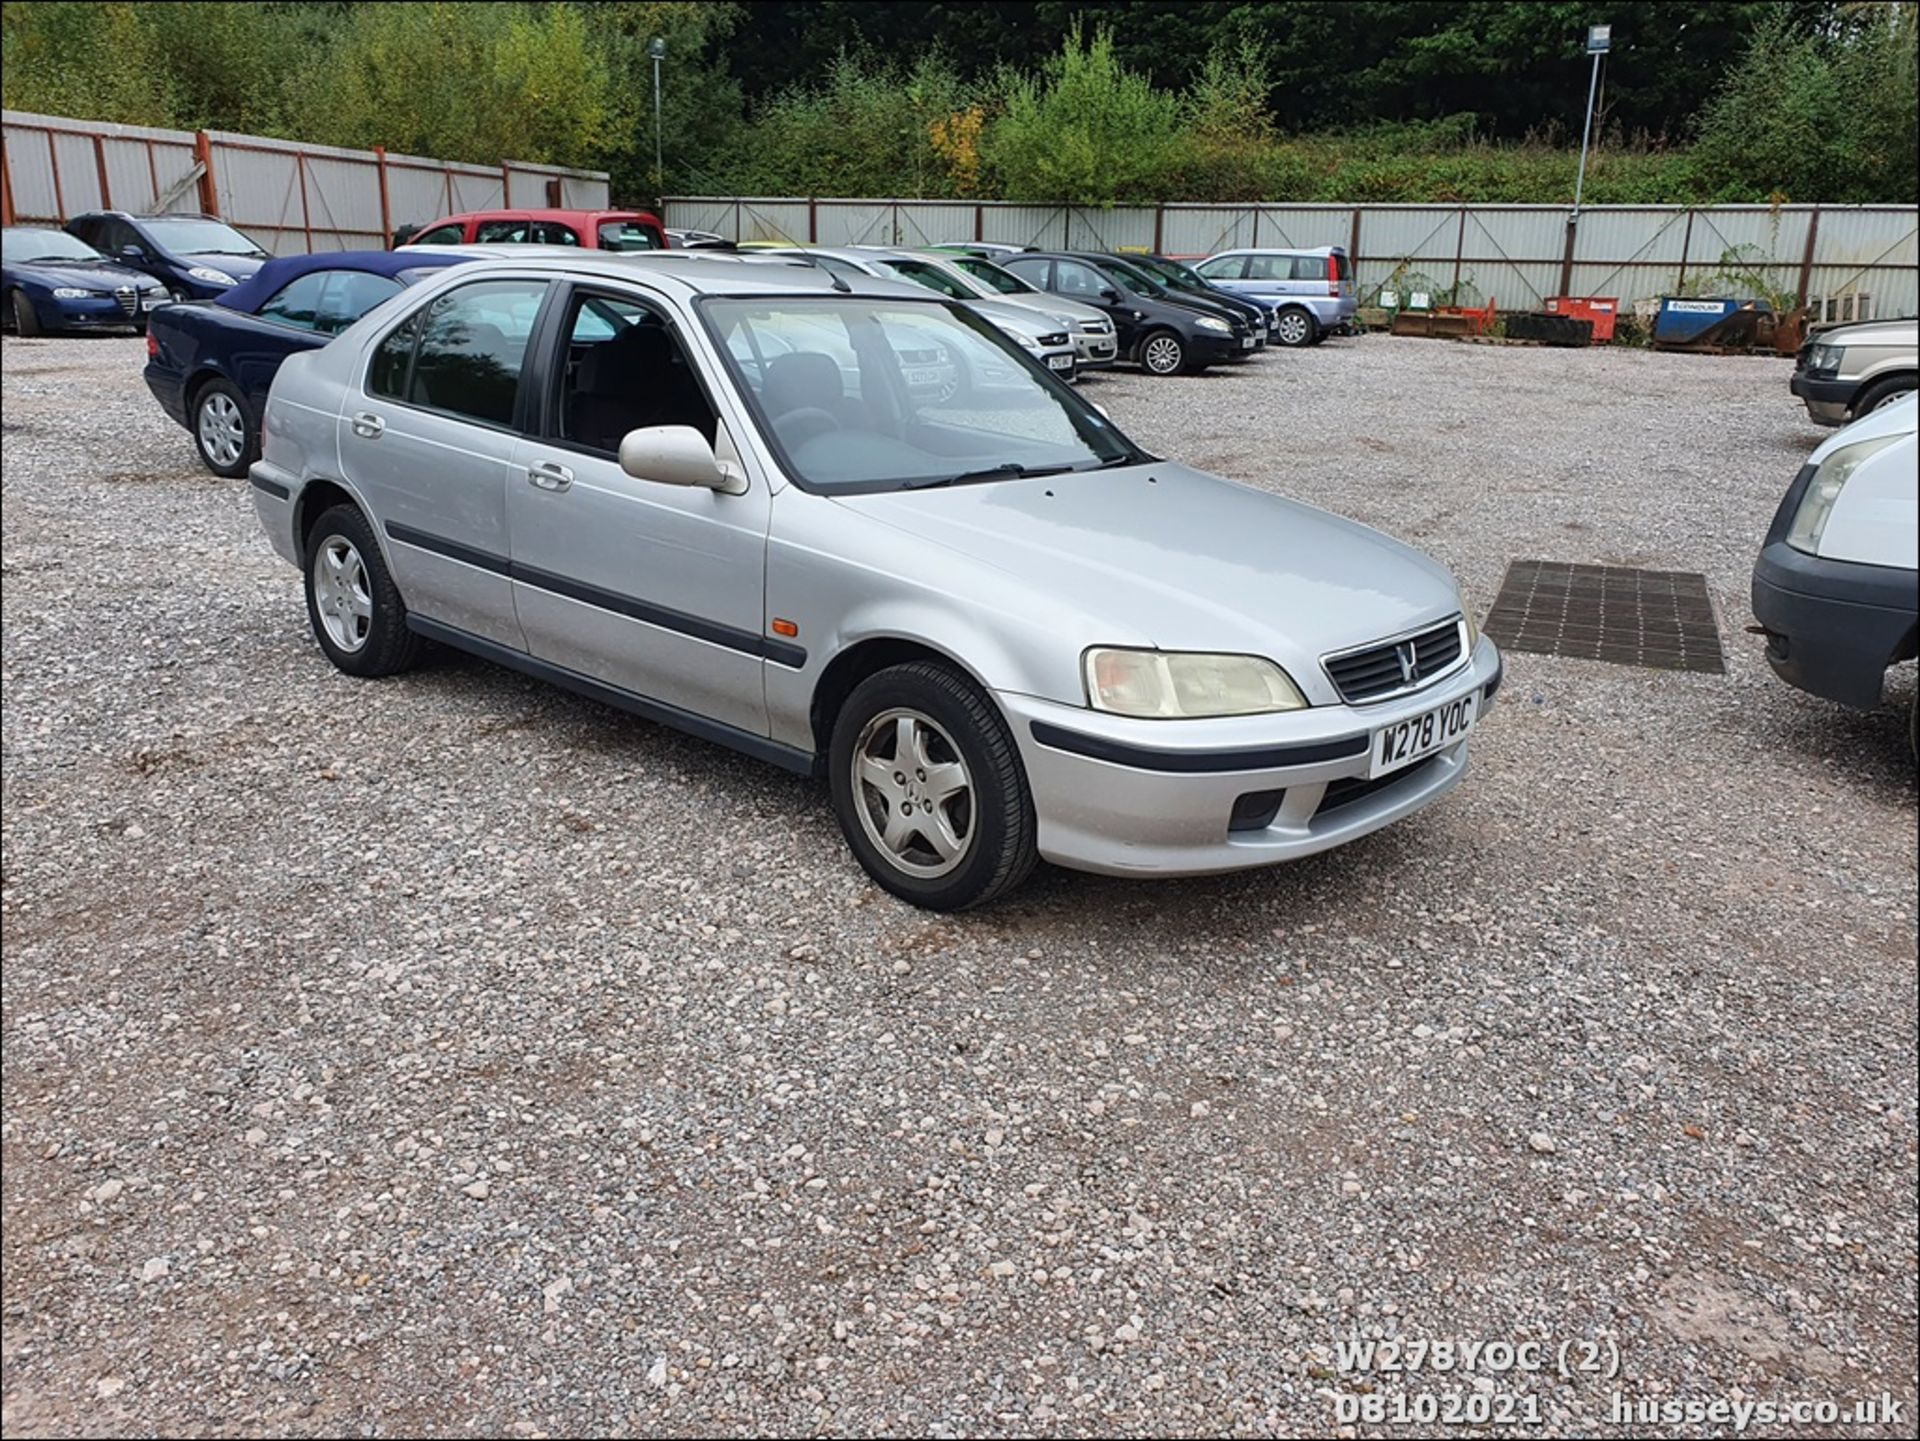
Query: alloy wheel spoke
x,y
879,774
946,780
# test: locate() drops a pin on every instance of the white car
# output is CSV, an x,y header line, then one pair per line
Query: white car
x,y
1837,585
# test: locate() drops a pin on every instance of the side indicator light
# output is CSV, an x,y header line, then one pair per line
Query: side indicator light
x,y
784,627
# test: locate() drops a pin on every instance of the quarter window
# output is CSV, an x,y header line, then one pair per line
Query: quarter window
x,y
1309,267
626,235
328,301
388,374
297,303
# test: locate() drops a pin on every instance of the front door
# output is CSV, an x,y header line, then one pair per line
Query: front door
x,y
1081,282
655,589
429,442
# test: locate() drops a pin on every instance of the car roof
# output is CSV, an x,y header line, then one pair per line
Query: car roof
x,y
1280,250
266,282
533,213
694,272
152,215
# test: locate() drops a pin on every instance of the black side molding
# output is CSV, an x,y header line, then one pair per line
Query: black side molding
x,y
1144,758
271,487
759,747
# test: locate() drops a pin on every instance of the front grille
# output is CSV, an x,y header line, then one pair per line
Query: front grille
x,y
1058,337
1348,789
1394,667
129,299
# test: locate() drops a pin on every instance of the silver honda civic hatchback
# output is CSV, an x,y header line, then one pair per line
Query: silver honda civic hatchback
x,y
749,500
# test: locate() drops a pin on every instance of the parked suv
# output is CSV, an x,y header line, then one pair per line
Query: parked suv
x,y
997,629
1313,288
1847,370
197,257
1160,336
588,229
1835,587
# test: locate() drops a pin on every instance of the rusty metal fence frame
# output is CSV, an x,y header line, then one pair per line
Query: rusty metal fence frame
x,y
289,195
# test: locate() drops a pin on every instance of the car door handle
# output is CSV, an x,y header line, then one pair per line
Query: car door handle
x,y
369,426
548,476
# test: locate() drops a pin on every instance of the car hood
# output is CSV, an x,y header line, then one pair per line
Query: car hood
x,y
1024,319
1167,556
1869,332
240,267
1051,305
86,274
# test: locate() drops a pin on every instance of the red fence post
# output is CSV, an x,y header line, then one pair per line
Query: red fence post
x,y
386,207
100,164
6,186
1686,245
506,186
979,221
59,194
1459,249
153,174
209,192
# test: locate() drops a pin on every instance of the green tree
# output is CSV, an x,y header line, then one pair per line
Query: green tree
x,y
95,62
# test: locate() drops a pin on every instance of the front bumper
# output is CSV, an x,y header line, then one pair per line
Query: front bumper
x,y
1095,352
103,312
1209,348
1827,400
1834,626
1157,798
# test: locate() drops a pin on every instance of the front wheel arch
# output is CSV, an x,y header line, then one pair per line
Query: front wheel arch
x,y
853,665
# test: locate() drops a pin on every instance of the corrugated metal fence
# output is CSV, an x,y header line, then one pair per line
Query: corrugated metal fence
x,y
1516,254
292,198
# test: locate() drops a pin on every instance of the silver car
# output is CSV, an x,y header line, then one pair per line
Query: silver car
x,y
1094,340
711,493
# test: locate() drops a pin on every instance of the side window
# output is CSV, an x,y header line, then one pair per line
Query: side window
x,y
1224,267
551,232
501,232
1269,267
1309,267
439,235
472,345
625,370
625,235
119,235
1073,278
350,294
1034,272
387,375
297,302
89,229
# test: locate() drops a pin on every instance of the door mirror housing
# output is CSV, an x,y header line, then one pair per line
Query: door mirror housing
x,y
132,252
678,455
1110,295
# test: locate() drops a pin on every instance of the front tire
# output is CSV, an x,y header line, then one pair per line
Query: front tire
x,y
1885,392
352,603
929,790
1163,352
26,320
223,430
1295,328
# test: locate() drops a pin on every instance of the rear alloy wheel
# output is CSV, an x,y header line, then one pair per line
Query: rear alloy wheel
x,y
223,430
1162,353
26,320
929,790
1294,328
352,603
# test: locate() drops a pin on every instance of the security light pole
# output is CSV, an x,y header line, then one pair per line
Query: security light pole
x,y
657,48
1599,41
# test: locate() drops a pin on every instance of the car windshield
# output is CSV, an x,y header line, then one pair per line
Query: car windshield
x,y
863,394
24,246
931,276
199,237
1173,273
987,273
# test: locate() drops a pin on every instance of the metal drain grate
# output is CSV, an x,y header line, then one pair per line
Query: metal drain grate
x,y
1658,618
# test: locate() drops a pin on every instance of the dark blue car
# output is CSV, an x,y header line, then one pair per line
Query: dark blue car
x,y
54,281
195,256
210,362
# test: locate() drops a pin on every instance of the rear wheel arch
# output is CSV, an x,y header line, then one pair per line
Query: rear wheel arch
x,y
317,497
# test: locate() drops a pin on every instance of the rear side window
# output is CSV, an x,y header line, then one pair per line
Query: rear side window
x,y
297,303
472,346
626,235
350,294
1269,267
1224,267
1034,272
551,232
439,235
1309,267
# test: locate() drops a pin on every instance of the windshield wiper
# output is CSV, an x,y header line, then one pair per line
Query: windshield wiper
x,y
1013,470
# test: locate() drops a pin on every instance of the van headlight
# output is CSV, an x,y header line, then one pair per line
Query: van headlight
x,y
1810,520
1170,685
1213,322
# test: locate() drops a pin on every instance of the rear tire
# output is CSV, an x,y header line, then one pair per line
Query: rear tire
x,y
1884,392
929,790
354,607
1295,327
223,429
26,320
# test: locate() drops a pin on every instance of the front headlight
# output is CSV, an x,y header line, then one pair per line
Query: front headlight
x,y
1182,685
1213,322
211,276
1473,626
73,292
1810,520
1824,357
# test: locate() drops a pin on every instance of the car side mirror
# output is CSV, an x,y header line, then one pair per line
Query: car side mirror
x,y
132,252
678,455
1110,295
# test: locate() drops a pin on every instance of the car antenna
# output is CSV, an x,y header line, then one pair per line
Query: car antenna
x,y
838,280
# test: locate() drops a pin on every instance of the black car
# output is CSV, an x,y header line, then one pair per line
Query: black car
x,y
1248,329
1162,336
1263,314
55,281
197,257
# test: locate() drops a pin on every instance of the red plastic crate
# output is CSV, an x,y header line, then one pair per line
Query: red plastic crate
x,y
1600,309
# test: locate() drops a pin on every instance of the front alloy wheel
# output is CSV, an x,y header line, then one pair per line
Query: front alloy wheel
x,y
913,795
1163,354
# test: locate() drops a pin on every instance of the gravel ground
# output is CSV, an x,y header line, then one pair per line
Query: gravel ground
x,y
452,1055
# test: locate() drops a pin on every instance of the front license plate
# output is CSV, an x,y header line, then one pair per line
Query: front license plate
x,y
1059,362
1246,342
923,377
147,302
1404,742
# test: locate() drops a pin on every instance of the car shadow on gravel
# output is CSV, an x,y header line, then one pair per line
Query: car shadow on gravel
x,y
1873,748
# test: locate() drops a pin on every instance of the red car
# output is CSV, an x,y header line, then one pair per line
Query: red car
x,y
591,229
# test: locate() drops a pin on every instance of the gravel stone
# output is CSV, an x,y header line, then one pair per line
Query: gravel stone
x,y
298,960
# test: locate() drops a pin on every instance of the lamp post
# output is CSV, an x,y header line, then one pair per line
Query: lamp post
x,y
1599,41
657,48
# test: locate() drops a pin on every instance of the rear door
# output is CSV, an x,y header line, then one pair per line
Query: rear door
x,y
429,440
655,589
